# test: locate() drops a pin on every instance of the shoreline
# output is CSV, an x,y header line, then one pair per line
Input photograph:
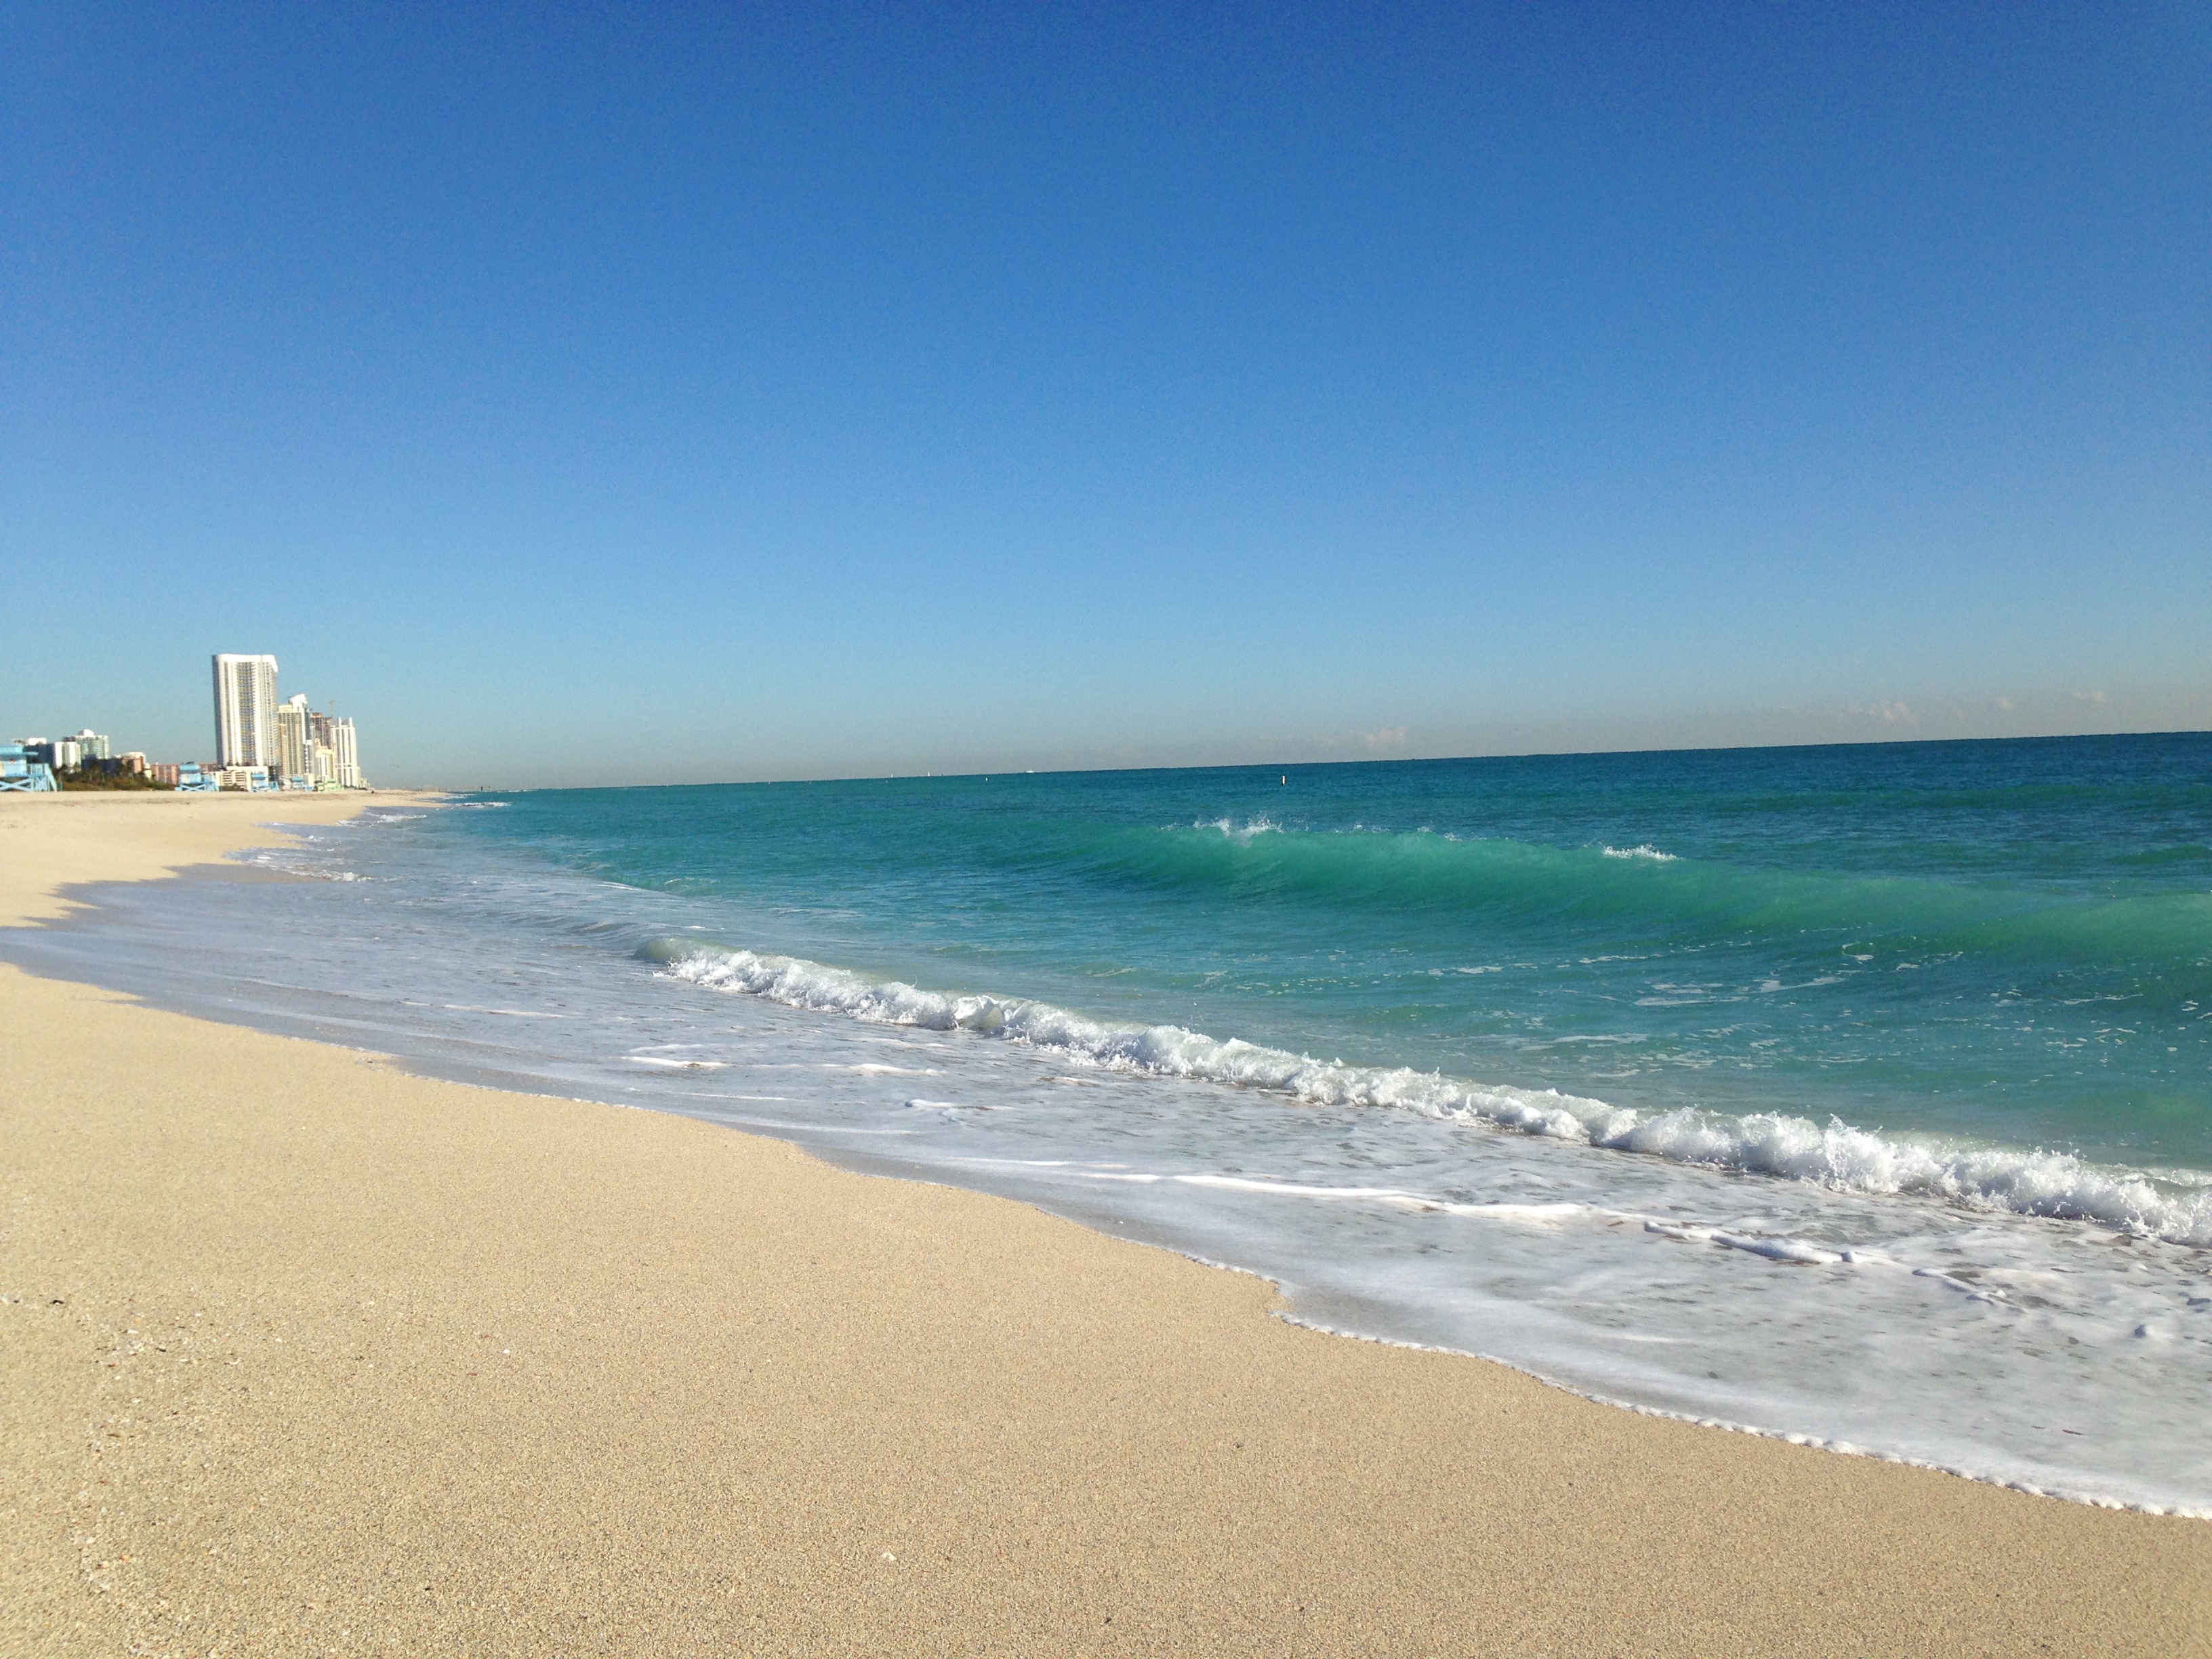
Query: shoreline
x,y
425,1366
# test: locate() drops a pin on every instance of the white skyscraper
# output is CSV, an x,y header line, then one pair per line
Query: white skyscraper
x,y
295,743
345,756
337,757
246,711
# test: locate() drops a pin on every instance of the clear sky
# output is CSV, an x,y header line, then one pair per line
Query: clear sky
x,y
625,394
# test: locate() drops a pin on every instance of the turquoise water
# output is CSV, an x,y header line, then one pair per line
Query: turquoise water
x,y
1860,1095
2007,941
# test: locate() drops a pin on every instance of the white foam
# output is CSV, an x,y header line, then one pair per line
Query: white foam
x,y
1643,851
1837,1155
1242,833
1795,1250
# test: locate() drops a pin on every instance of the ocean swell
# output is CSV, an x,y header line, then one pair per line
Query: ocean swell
x,y
2038,1182
1642,892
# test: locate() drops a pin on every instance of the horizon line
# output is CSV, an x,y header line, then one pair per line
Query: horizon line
x,y
1282,766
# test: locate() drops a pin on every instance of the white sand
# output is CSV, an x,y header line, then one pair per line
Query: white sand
x,y
301,1354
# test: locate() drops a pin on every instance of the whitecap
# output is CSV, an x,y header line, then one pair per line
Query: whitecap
x,y
2026,1182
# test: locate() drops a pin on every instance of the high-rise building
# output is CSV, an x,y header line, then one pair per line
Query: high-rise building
x,y
295,742
345,756
246,711
335,752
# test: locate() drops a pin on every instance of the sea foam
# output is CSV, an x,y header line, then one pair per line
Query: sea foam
x,y
2026,1182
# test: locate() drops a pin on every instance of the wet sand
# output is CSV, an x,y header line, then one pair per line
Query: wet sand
x,y
301,1354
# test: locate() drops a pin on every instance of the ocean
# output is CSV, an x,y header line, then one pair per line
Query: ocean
x,y
1860,1094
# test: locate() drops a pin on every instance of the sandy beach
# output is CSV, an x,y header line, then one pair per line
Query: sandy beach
x,y
305,1354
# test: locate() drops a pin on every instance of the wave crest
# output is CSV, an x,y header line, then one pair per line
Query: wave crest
x,y
1241,833
2038,1182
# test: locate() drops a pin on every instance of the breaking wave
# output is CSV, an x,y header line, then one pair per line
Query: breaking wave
x,y
2035,1183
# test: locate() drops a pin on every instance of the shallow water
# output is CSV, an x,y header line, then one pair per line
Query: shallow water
x,y
1862,1095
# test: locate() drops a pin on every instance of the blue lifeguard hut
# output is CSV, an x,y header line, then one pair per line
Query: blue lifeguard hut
x,y
19,774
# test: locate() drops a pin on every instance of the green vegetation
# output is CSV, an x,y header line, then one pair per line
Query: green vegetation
x,y
96,777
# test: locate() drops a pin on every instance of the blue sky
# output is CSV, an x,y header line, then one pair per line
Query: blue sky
x,y
602,394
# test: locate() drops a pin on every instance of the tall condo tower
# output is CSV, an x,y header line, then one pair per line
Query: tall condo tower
x,y
295,742
345,755
246,711
336,760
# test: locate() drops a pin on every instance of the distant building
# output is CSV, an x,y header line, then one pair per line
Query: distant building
x,y
294,747
166,772
345,755
245,733
67,754
296,744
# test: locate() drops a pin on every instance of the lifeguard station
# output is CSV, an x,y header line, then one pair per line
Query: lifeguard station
x,y
21,775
